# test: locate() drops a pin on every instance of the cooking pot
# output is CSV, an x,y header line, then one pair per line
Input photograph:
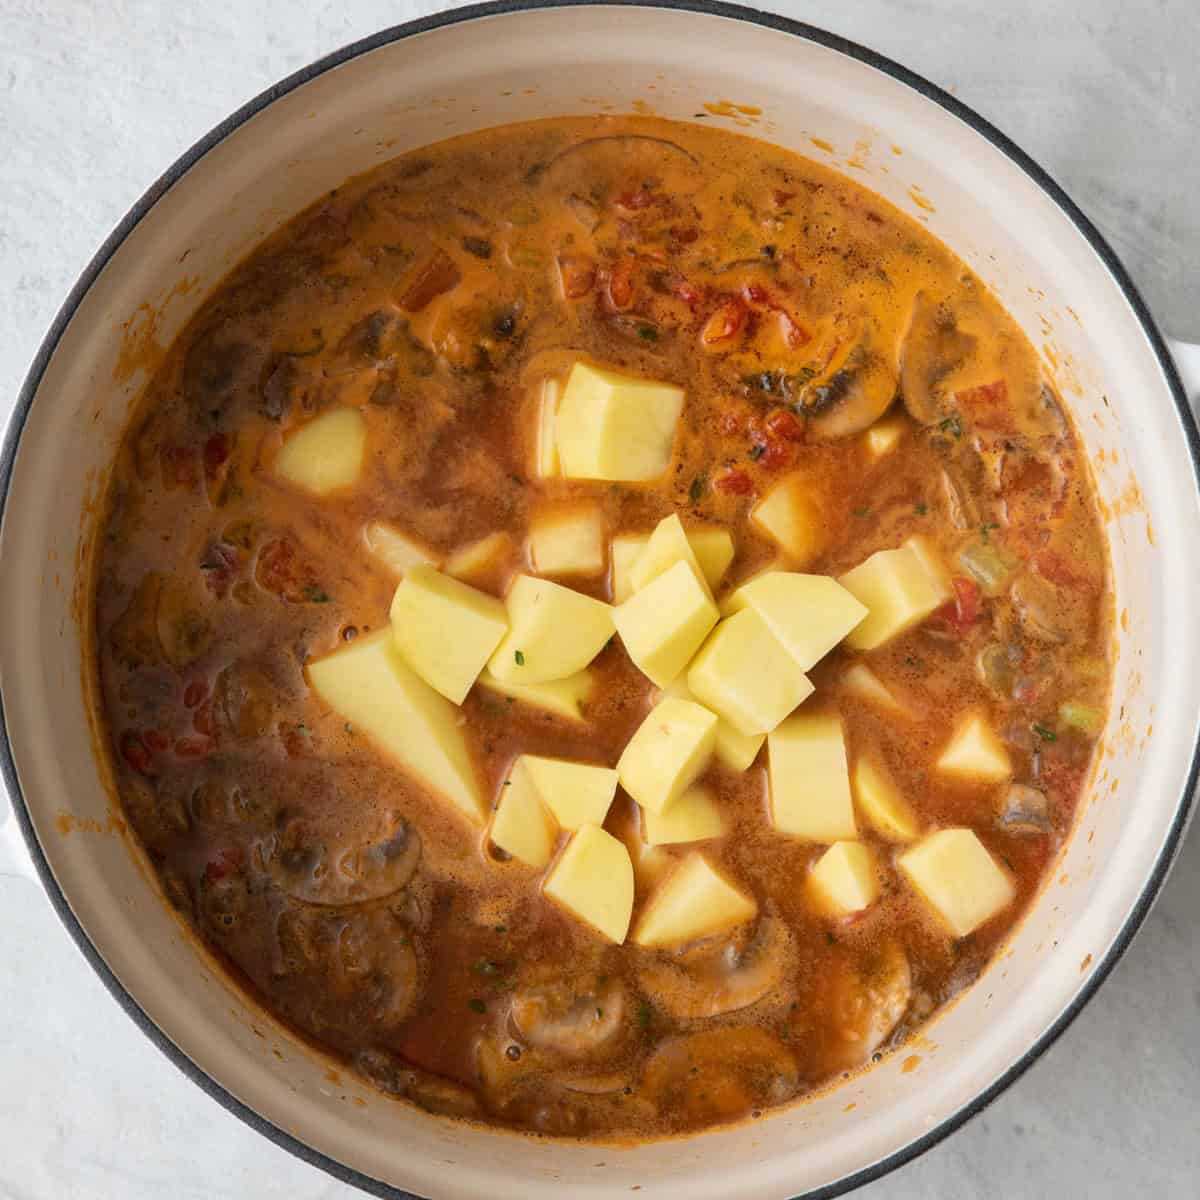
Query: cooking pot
x,y
476,67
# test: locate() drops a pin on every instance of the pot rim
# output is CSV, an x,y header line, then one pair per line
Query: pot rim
x,y
396,33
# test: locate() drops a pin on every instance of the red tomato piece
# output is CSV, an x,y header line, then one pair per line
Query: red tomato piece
x,y
736,482
784,424
724,323
136,753
620,283
578,275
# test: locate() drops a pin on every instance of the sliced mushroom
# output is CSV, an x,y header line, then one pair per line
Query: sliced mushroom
x,y
719,1075
1040,610
1023,810
933,348
720,977
431,1092
853,398
866,1002
591,169
578,1018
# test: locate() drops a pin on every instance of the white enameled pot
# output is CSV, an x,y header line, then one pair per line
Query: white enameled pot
x,y
510,62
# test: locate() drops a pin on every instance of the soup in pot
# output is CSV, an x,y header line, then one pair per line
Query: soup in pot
x,y
602,626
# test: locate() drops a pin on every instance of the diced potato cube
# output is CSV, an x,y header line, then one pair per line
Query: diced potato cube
x,y
860,681
553,632
958,878
624,552
844,879
884,436
521,824
669,749
562,697
810,781
326,454
396,551
809,614
369,684
568,541
593,880
667,546
790,514
694,817
900,589
694,901
576,793
880,802
735,600
975,753
663,625
481,560
734,749
618,427
714,552
445,629
745,676
545,452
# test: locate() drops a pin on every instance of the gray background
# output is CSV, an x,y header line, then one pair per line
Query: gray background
x,y
97,98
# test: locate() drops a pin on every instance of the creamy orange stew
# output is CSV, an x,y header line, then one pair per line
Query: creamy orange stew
x,y
602,626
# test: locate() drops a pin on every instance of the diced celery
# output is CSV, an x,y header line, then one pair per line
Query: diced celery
x,y
988,564
1084,717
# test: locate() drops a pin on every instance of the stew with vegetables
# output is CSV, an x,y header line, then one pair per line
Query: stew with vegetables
x,y
603,626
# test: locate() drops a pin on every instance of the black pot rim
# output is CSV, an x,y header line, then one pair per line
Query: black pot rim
x,y
185,162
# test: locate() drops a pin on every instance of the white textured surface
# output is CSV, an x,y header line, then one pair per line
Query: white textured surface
x,y
96,99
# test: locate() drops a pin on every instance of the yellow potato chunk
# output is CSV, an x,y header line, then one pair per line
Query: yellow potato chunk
x,y
958,878
810,781
623,552
521,826
789,513
844,879
617,427
395,550
593,880
649,862
669,749
667,546
884,436
576,793
809,614
860,681
714,551
880,802
445,630
562,697
553,632
370,685
481,559
663,625
735,600
545,450
745,676
326,454
975,753
568,541
900,589
694,901
734,749
694,817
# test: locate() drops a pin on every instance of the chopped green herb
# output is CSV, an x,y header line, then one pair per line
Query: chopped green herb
x,y
830,940
1047,735
768,252
648,333
911,660
986,529
952,425
501,928
921,509
519,655
756,452
316,595
348,727
643,1015
484,966
507,783
599,1014
862,512
480,247
476,1005
698,489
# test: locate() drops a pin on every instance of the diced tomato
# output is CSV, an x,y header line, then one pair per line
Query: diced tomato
x,y
578,275
620,283
685,235
224,861
1027,690
781,198
729,424
220,564
283,572
987,406
735,481
216,451
136,753
194,693
156,739
793,331
960,614
1052,566
202,719
438,275
192,747
724,323
775,454
784,424
179,467
633,201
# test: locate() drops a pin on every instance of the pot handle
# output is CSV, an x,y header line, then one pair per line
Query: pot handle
x,y
1187,359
